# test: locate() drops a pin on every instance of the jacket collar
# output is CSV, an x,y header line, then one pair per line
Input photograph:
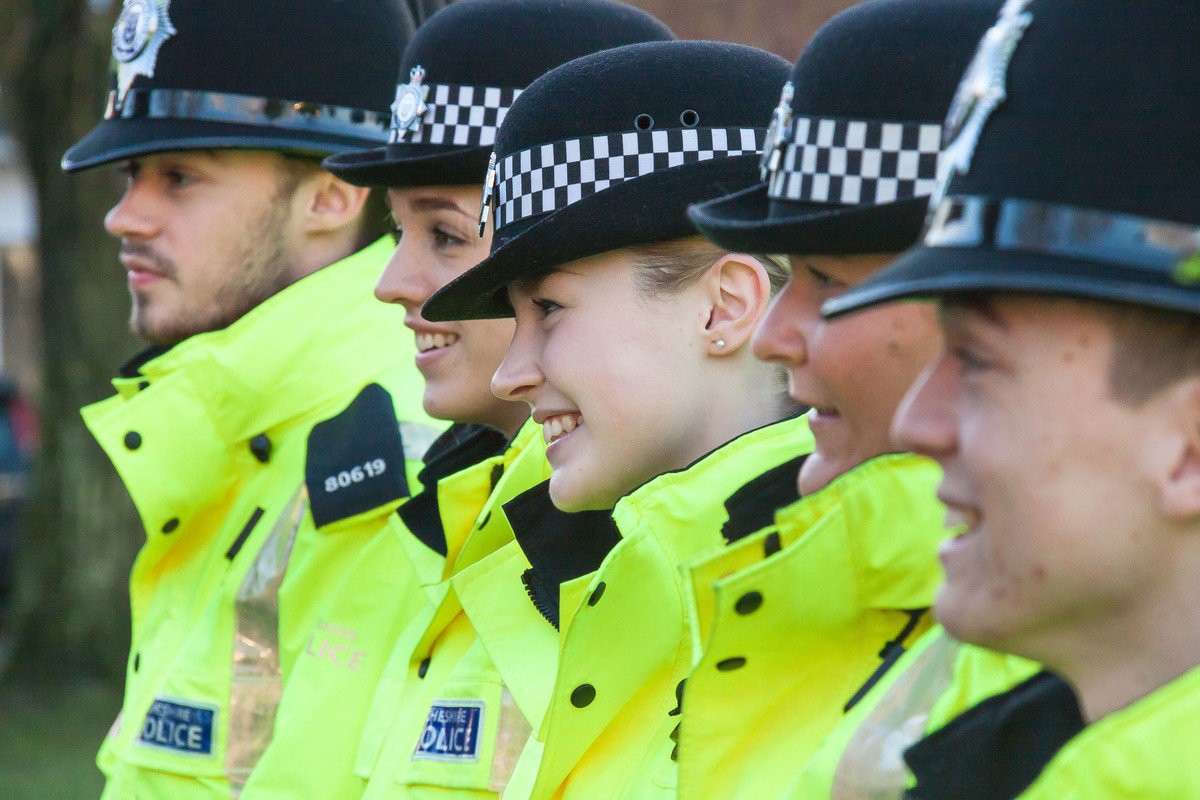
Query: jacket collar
x,y
704,486
999,747
460,447
562,546
296,351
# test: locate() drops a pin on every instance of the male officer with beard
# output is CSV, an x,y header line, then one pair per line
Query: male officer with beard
x,y
271,427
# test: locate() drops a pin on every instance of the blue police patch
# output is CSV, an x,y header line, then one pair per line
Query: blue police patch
x,y
452,732
179,726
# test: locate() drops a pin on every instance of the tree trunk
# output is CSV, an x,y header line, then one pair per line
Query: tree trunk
x,y
80,531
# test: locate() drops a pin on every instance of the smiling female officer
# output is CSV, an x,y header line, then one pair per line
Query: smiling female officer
x,y
441,723
632,346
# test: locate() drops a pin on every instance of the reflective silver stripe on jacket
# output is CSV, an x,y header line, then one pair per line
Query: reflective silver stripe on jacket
x,y
257,681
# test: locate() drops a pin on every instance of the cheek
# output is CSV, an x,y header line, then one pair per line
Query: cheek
x,y
843,360
487,342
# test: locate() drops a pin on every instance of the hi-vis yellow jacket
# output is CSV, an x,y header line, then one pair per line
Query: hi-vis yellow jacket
x,y
1145,750
937,679
600,692
1032,743
796,622
261,458
442,724
330,689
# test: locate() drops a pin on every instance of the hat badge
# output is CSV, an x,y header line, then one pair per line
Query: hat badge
x,y
489,189
409,105
981,91
140,31
777,132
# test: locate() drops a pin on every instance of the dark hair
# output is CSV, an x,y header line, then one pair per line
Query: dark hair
x,y
1153,348
374,219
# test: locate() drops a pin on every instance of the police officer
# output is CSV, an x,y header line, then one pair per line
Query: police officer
x,y
267,433
632,346
442,723
1063,409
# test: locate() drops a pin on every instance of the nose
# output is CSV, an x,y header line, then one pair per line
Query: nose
x,y
925,420
519,374
402,280
133,215
780,336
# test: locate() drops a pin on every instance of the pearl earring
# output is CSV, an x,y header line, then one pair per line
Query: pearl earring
x,y
720,343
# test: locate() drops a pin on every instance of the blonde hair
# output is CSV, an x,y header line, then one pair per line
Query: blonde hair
x,y
668,267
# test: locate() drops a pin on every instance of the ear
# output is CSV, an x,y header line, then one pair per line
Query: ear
x,y
330,203
1180,487
739,292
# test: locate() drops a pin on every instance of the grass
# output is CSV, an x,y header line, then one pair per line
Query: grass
x,y
49,736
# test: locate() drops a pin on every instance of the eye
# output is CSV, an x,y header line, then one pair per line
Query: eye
x,y
969,361
178,179
443,238
823,280
546,307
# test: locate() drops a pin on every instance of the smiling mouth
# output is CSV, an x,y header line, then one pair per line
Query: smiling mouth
x,y
559,425
434,341
960,521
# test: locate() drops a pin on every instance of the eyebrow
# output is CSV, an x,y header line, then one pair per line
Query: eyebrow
x,y
437,204
980,305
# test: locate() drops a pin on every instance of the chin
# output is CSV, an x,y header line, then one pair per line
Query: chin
x,y
955,614
573,498
443,402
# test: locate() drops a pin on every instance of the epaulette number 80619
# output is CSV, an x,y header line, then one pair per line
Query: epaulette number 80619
x,y
358,474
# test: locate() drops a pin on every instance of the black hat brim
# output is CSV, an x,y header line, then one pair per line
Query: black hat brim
x,y
743,222
420,165
582,229
117,140
935,272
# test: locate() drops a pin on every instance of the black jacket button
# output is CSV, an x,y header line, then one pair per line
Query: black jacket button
x,y
423,668
260,447
170,525
597,594
583,695
730,664
133,440
748,603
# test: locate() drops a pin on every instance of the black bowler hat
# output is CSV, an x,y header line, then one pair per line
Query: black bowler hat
x,y
463,69
608,151
1072,165
310,76
859,124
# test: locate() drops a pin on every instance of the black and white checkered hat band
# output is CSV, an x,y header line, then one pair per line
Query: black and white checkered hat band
x,y
550,177
461,115
852,162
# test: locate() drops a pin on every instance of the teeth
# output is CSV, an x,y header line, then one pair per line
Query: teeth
x,y
434,341
556,426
